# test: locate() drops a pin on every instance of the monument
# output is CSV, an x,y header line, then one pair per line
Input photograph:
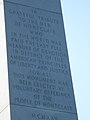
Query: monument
x,y
35,78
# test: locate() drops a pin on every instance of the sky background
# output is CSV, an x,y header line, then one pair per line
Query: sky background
x,y
76,15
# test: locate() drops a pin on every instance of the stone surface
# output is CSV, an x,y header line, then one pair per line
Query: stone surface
x,y
39,73
50,5
4,89
4,96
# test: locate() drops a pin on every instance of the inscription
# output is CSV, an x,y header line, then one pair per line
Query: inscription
x,y
38,61
40,116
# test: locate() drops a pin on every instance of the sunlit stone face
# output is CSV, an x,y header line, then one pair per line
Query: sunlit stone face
x,y
4,91
0,1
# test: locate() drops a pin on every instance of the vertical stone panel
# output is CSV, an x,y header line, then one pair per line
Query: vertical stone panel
x,y
40,83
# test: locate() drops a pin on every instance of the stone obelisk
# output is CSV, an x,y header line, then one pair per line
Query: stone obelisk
x,y
35,77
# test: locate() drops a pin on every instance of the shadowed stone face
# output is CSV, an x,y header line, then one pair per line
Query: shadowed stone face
x,y
50,5
40,84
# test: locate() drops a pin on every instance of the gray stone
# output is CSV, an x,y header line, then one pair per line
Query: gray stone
x,y
40,84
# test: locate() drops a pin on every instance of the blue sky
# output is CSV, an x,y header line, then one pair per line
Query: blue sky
x,y
76,14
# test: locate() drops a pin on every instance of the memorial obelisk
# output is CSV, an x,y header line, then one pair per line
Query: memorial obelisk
x,y
35,77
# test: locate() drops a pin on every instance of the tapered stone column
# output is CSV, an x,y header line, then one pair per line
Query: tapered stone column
x,y
37,83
